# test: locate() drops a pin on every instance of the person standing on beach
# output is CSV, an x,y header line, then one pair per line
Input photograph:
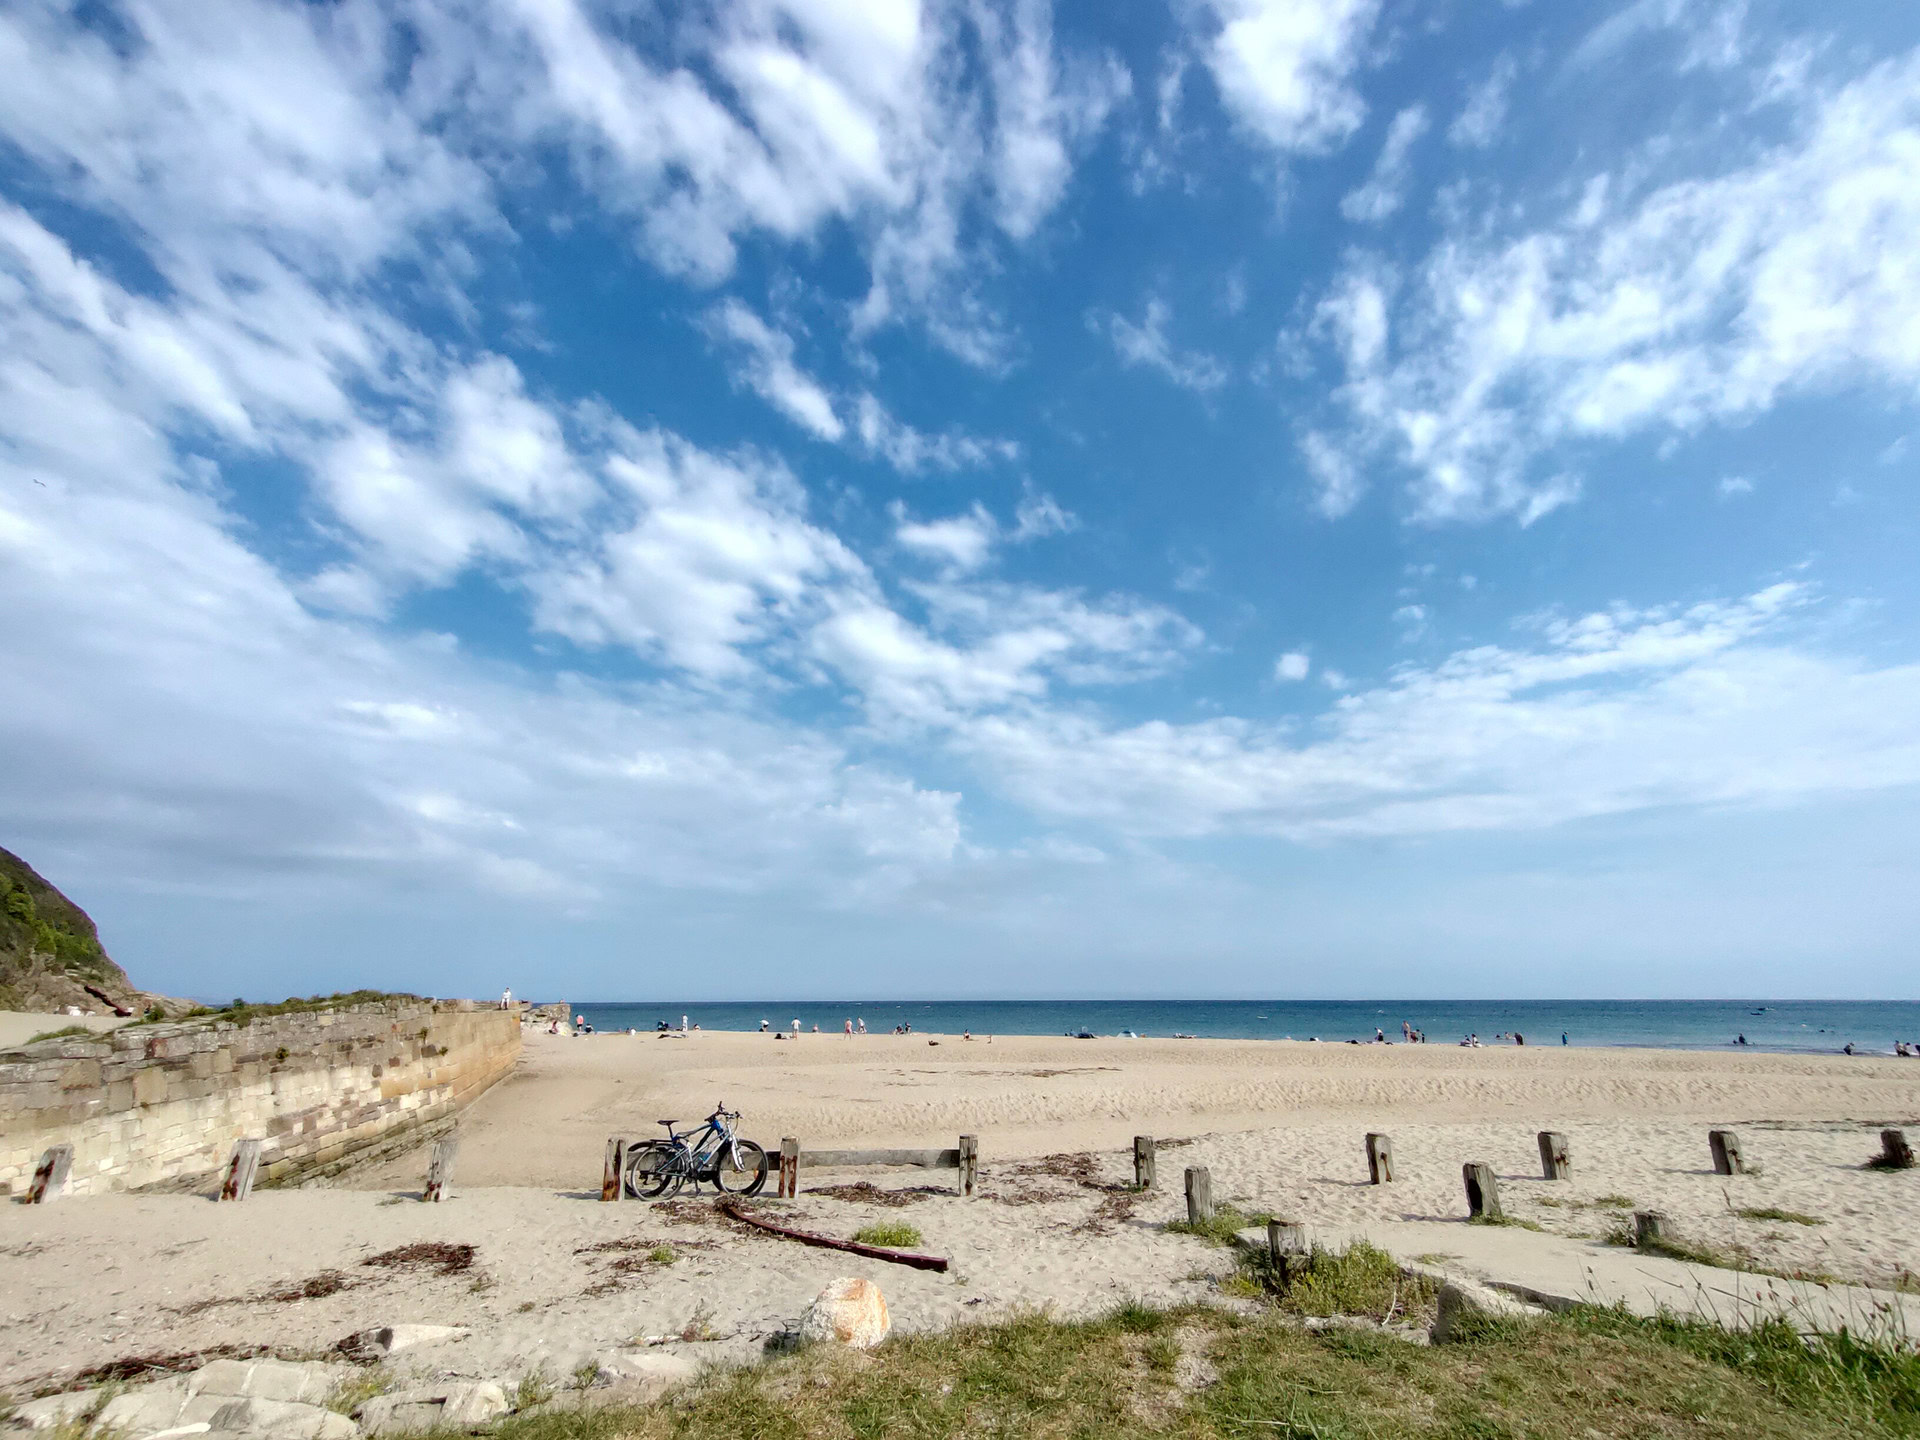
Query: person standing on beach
x,y
849,1027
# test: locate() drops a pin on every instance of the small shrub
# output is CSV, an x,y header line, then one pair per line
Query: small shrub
x,y
1227,1222
662,1255
1134,1316
356,1389
1360,1280
534,1389
890,1233
585,1373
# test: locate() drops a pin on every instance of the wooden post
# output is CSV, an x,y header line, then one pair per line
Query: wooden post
x,y
1199,1194
1649,1228
1895,1153
1556,1161
49,1181
1143,1157
1380,1159
240,1170
789,1185
613,1175
1726,1153
1483,1192
440,1170
1286,1244
969,1163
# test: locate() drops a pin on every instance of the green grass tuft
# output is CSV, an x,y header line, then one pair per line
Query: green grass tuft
x,y
1771,1212
890,1233
1513,1220
1227,1222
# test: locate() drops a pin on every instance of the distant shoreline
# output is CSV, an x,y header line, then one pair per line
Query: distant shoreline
x,y
1810,1027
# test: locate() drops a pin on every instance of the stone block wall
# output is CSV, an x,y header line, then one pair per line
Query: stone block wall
x,y
158,1107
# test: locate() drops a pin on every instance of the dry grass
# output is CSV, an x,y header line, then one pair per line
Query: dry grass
x,y
1202,1374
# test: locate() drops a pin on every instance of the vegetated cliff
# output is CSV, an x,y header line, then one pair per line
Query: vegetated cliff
x,y
50,955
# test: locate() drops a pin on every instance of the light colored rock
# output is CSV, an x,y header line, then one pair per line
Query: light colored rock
x,y
308,1383
178,1432
55,1410
148,1409
1461,1299
850,1310
282,1419
401,1414
656,1367
474,1404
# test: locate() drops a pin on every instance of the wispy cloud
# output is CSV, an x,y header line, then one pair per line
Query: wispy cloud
x,y
1147,344
1385,190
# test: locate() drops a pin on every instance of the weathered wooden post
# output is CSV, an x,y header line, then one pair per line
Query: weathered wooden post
x,y
1895,1153
440,1170
240,1170
1199,1194
1286,1244
613,1175
49,1181
1650,1228
789,1185
1380,1159
1483,1192
969,1163
1556,1161
1726,1153
1143,1157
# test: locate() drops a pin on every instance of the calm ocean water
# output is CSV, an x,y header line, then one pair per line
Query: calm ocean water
x,y
1789,1025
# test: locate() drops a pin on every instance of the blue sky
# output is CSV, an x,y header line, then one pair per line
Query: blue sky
x,y
1247,497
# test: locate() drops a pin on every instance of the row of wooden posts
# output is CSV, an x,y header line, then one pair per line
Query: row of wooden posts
x,y
49,1181
1483,1190
1483,1197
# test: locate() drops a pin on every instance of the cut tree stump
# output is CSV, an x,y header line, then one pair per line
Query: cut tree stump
x,y
1380,1159
240,1170
1199,1195
440,1170
789,1185
1726,1153
49,1181
613,1175
1895,1153
1286,1248
1483,1191
1556,1161
1651,1228
1143,1158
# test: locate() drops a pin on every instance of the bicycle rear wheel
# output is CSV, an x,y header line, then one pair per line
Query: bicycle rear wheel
x,y
740,1168
654,1170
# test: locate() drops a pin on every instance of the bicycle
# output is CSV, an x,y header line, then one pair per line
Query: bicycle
x,y
658,1168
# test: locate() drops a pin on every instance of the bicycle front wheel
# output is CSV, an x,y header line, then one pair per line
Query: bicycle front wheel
x,y
653,1170
740,1168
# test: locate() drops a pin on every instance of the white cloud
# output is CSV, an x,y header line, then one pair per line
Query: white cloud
x,y
1147,344
765,360
1608,713
1292,666
1701,301
1334,474
1284,67
1479,122
700,559
1385,190
962,542
1731,485
911,451
1412,620
1039,516
1042,113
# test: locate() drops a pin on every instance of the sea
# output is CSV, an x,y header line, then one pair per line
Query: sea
x,y
1793,1026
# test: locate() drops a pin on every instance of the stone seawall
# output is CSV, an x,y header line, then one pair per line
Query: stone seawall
x,y
158,1107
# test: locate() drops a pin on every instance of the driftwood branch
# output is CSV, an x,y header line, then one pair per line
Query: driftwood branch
x,y
853,1247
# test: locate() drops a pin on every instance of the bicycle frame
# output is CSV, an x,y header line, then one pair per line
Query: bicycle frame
x,y
696,1154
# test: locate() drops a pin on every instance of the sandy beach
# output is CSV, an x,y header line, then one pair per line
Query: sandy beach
x,y
557,1279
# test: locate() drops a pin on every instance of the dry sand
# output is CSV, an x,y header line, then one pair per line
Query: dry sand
x,y
1280,1126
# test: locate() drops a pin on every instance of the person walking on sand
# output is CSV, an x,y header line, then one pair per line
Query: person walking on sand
x,y
849,1027
859,1024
